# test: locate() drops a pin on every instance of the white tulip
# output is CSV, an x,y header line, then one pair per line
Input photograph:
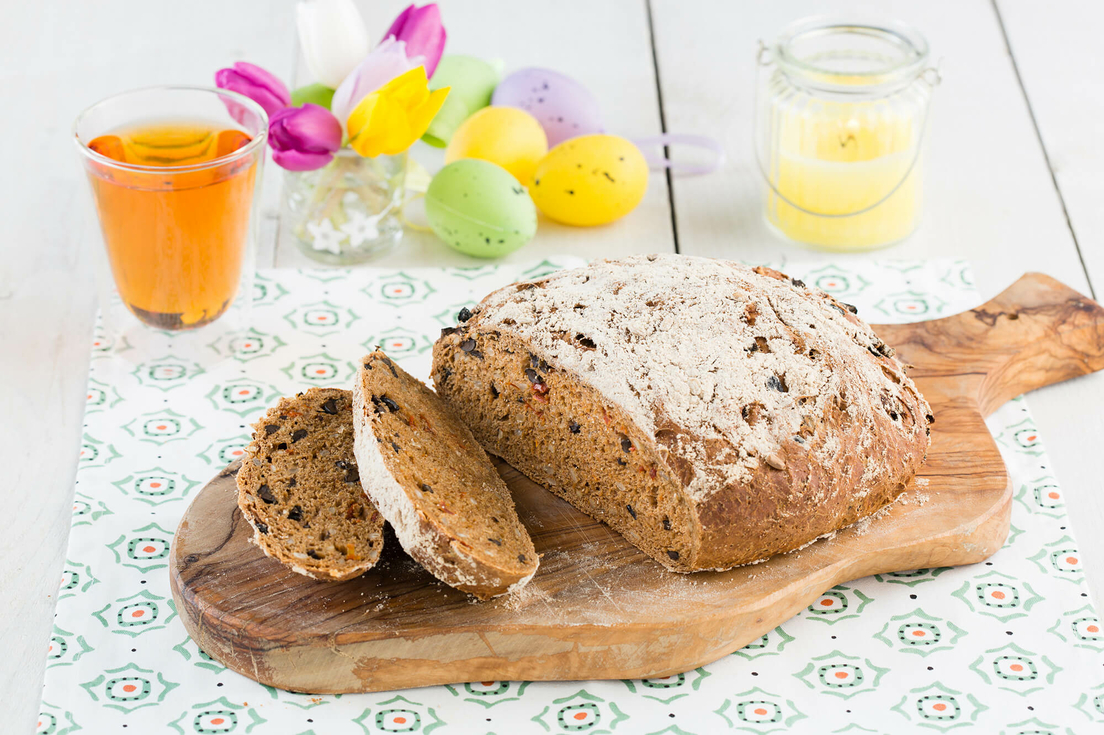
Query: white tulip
x,y
333,37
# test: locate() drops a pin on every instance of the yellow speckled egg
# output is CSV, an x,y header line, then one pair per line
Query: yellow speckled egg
x,y
507,136
590,180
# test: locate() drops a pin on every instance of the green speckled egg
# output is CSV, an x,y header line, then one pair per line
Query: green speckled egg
x,y
480,209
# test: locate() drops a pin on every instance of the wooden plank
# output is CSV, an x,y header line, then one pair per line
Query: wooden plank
x,y
88,51
60,59
1057,56
989,196
604,45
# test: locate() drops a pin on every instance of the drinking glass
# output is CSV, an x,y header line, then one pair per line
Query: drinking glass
x,y
174,173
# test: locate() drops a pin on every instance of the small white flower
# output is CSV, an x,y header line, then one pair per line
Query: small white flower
x,y
360,228
325,236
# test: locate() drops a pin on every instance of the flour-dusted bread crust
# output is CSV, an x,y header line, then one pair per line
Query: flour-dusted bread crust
x,y
713,414
433,482
299,488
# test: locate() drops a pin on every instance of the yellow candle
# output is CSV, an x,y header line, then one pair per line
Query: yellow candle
x,y
841,151
834,169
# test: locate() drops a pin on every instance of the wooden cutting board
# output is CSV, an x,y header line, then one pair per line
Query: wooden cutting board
x,y
600,609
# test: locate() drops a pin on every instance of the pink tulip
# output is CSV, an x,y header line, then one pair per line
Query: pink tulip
x,y
387,61
298,161
424,35
304,138
256,84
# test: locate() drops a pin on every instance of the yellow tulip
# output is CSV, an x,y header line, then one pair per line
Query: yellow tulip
x,y
389,120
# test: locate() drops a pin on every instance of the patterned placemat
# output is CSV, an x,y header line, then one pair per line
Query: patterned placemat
x,y
1012,645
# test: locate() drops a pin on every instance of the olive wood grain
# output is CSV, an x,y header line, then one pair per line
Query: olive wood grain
x,y
600,609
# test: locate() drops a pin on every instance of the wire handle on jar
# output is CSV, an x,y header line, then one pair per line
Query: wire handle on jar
x,y
666,140
929,76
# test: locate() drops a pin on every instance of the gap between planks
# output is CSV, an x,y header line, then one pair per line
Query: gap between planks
x,y
662,124
1042,145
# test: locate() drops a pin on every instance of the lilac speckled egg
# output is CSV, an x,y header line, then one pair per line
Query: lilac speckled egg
x,y
563,107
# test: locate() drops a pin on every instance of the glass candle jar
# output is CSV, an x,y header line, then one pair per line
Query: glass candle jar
x,y
842,110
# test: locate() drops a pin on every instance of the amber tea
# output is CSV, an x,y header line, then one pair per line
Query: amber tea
x,y
175,228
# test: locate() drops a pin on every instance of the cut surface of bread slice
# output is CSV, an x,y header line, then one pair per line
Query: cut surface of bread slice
x,y
299,488
432,481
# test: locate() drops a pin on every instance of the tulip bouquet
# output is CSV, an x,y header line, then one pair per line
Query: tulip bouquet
x,y
343,139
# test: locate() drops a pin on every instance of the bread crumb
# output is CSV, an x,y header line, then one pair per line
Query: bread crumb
x,y
823,537
862,526
518,599
914,498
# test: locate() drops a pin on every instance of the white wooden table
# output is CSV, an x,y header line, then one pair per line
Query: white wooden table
x,y
1015,177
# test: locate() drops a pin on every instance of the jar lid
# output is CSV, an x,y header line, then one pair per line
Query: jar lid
x,y
851,57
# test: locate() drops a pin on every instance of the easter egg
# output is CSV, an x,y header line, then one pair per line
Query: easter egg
x,y
507,136
590,180
562,106
480,209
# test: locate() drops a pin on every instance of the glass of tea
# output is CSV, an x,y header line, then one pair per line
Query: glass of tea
x,y
174,174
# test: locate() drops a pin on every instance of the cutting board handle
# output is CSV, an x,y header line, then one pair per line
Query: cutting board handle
x,y
1043,332
1036,332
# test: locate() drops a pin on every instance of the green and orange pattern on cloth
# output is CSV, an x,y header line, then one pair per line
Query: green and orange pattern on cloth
x,y
1012,645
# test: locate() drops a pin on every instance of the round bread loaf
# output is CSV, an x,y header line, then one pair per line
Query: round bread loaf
x,y
432,481
713,414
299,488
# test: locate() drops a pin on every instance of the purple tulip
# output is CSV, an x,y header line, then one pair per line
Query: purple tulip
x,y
304,138
256,84
424,35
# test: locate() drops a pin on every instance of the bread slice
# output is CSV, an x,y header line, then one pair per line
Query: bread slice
x,y
299,488
429,478
712,413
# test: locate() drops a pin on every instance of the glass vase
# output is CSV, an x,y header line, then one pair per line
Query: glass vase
x,y
348,211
